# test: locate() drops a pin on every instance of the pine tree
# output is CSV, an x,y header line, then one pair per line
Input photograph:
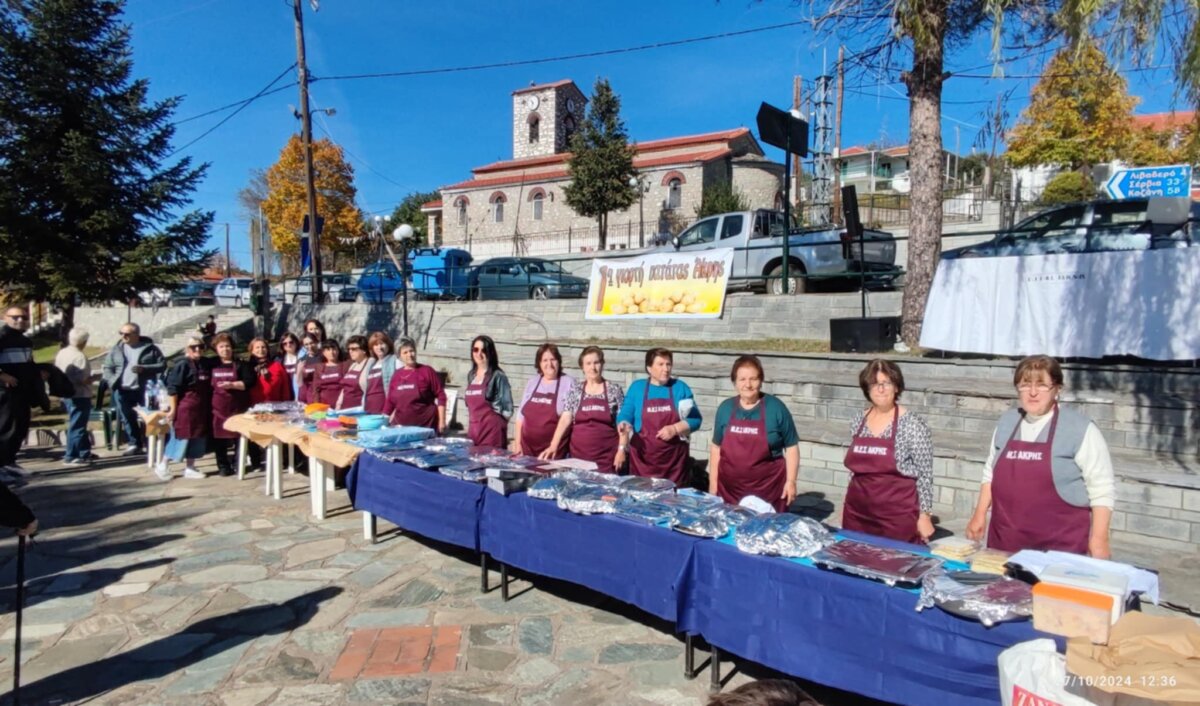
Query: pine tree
x,y
601,163
88,194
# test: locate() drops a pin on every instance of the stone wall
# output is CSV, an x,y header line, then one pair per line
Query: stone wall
x,y
103,322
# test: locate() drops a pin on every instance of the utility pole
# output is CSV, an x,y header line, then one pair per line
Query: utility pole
x,y
228,262
837,136
314,235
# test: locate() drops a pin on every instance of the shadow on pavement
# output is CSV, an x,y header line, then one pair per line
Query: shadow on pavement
x,y
200,642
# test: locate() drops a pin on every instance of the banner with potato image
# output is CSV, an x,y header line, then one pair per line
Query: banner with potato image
x,y
660,285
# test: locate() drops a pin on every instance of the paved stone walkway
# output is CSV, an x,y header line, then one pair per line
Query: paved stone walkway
x,y
208,592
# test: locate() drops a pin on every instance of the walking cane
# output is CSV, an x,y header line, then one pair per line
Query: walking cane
x,y
16,692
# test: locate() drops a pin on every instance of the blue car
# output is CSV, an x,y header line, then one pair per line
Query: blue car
x,y
379,283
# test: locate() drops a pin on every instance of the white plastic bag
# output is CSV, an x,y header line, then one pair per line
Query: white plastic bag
x,y
1034,674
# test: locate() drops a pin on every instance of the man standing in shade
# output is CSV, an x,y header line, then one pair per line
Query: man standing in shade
x,y
21,387
131,363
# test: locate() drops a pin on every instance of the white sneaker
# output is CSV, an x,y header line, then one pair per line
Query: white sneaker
x,y
193,474
161,470
132,450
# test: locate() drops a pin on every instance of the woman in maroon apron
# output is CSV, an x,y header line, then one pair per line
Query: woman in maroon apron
x,y
190,389
327,378
415,395
289,358
542,406
306,368
378,375
660,413
230,381
1023,490
887,440
591,416
355,369
755,449
488,396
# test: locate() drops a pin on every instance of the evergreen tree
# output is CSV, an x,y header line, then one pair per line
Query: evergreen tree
x,y
601,163
409,211
88,194
721,198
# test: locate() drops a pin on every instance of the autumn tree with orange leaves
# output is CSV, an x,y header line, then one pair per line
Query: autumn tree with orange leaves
x,y
285,206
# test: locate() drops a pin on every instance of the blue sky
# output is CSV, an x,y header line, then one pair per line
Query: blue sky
x,y
418,133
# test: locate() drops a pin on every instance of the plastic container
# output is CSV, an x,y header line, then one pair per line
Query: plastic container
x,y
371,422
1095,580
1072,612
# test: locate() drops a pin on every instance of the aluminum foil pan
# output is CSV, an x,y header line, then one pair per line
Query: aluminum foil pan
x,y
649,512
700,523
646,488
988,598
547,488
782,534
735,515
593,477
588,498
895,567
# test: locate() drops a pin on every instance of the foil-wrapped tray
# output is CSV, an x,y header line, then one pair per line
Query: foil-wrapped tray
x,y
593,477
895,567
588,498
782,534
700,523
461,469
987,598
645,511
547,488
645,488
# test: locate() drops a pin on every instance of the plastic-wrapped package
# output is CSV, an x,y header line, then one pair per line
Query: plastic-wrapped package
x,y
646,511
429,459
782,534
588,498
593,477
392,453
894,567
547,488
646,488
459,468
701,523
376,438
700,496
277,408
735,515
686,502
988,598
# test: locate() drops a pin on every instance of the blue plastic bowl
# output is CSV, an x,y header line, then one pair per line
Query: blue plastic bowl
x,y
371,422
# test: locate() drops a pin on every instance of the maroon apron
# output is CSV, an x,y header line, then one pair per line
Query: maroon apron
x,y
289,367
352,393
594,434
327,384
539,419
413,406
1027,511
648,455
376,395
881,500
308,368
746,464
226,403
193,409
488,427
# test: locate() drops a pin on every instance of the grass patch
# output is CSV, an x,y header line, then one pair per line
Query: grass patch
x,y
776,345
45,348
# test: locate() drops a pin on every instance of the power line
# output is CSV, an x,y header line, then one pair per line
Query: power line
x,y
235,104
329,133
240,108
566,57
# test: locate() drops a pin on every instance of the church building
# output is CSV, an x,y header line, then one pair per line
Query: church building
x,y
517,206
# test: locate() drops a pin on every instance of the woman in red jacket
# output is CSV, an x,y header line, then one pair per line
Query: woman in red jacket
x,y
274,384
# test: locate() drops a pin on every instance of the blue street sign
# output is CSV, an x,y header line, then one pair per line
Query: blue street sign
x,y
1174,181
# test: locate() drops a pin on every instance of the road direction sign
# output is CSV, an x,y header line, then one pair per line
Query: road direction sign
x,y
1172,181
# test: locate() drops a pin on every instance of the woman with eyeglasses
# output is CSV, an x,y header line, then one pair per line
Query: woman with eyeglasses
x,y
1048,480
231,381
542,404
306,367
274,385
755,449
488,396
289,357
890,460
415,395
327,379
378,374
189,386
353,372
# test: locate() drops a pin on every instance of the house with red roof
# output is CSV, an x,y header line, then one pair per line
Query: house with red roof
x,y
516,206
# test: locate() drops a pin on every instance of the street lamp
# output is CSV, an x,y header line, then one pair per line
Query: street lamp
x,y
404,235
642,185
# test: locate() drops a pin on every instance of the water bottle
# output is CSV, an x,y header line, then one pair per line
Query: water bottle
x,y
148,398
164,397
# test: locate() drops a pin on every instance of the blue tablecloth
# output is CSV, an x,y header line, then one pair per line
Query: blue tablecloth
x,y
419,501
639,564
841,631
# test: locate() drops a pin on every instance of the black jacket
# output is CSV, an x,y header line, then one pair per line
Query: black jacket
x,y
13,512
16,359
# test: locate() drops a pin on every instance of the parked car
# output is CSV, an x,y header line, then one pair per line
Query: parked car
x,y
193,293
524,278
815,251
379,282
234,291
1090,226
155,297
432,273
298,290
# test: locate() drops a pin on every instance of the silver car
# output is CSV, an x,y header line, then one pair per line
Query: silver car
x,y
234,291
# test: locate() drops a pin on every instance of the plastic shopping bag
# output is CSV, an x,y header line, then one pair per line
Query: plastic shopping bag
x,y
1034,674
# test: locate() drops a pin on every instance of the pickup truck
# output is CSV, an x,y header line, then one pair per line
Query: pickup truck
x,y
816,251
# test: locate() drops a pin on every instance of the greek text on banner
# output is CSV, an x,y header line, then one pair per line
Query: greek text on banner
x,y
660,285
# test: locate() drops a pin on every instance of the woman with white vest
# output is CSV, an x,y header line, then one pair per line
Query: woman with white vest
x,y
1048,480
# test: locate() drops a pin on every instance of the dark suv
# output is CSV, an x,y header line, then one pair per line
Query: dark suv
x,y
524,278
